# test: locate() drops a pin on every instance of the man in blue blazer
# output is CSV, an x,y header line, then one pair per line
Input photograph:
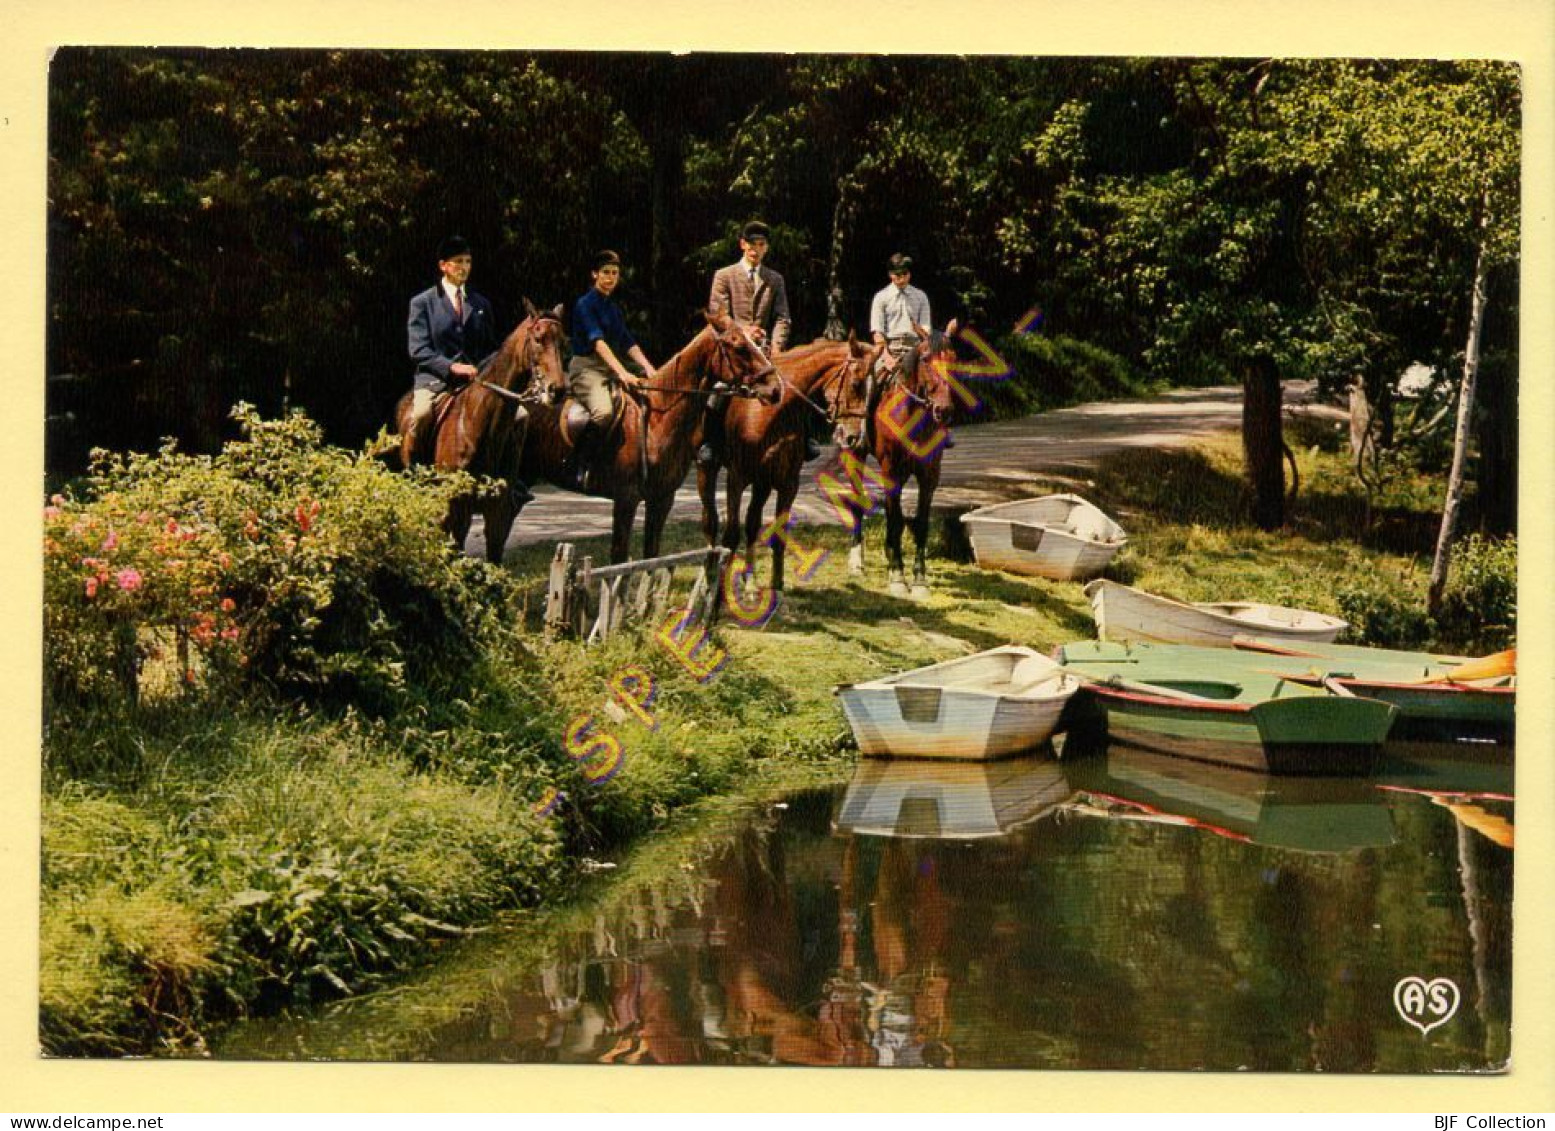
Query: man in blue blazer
x,y
451,333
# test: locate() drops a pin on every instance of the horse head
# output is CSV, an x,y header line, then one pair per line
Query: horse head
x,y
854,394
543,353
923,371
739,362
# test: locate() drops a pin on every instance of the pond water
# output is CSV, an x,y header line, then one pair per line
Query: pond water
x,y
1118,910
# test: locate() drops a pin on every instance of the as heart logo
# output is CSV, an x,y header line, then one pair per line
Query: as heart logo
x,y
1425,1005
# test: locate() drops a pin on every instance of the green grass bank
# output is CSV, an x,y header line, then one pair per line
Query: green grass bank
x,y
294,766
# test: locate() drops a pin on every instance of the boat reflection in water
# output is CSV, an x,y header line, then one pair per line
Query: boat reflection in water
x,y
1120,910
949,800
1301,814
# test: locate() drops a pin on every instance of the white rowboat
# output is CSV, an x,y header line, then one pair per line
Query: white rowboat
x,y
975,708
1058,536
1128,615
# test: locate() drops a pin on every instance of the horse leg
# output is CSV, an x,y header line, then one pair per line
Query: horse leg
x,y
786,494
856,546
656,514
623,517
499,515
707,491
753,524
457,522
896,584
920,534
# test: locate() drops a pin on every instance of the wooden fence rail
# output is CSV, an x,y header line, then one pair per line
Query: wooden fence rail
x,y
595,603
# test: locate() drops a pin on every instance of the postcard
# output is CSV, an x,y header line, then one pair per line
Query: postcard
x,y
1001,559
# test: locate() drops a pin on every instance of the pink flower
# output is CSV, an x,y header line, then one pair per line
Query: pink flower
x,y
172,526
228,604
52,512
91,588
129,579
111,542
229,634
57,500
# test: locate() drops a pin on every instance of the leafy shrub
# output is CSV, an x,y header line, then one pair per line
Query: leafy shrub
x,y
279,562
1479,605
1386,618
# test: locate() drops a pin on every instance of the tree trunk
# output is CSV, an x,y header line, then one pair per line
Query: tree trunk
x,y
1496,421
842,217
1360,420
1460,443
1262,441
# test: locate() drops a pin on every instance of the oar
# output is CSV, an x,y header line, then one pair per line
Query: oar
x,y
1486,667
1118,683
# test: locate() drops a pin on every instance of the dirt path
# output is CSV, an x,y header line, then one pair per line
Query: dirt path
x,y
990,463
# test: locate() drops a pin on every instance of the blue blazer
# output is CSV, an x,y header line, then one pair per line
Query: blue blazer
x,y
437,339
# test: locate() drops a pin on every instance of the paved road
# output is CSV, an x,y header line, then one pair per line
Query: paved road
x,y
990,463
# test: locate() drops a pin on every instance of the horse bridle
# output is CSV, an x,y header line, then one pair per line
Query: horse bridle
x,y
533,391
832,413
743,389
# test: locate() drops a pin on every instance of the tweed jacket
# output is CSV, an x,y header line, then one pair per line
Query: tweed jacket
x,y
765,306
436,339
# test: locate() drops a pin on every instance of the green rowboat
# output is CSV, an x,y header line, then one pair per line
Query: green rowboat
x,y
1210,705
1442,708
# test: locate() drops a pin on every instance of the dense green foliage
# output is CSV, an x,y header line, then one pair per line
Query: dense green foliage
x,y
249,225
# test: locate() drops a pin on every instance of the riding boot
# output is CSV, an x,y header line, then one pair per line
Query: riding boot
x,y
583,458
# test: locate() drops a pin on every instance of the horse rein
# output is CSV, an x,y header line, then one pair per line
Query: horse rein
x,y
536,377
830,415
742,389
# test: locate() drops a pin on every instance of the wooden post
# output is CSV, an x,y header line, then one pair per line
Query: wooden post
x,y
558,590
601,629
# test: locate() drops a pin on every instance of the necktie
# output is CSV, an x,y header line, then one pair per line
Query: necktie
x,y
459,304
753,294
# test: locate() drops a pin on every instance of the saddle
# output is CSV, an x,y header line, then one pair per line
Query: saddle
x,y
574,418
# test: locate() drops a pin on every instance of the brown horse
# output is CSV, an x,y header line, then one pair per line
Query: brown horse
x,y
651,449
764,444
900,419
481,427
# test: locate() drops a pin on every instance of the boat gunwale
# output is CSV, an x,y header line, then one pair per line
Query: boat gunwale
x,y
1095,591
1435,685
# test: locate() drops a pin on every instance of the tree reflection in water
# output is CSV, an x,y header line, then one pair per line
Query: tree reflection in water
x,y
1118,911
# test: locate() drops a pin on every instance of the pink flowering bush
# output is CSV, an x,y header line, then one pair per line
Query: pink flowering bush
x,y
280,563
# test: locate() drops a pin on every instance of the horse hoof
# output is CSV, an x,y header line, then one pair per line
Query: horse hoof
x,y
856,561
920,591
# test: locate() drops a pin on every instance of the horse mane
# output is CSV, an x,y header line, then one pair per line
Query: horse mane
x,y
501,369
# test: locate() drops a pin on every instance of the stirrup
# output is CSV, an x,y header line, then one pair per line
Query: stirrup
x,y
706,457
